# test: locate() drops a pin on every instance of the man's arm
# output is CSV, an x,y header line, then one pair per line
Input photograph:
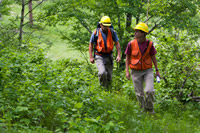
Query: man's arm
x,y
127,66
90,52
118,51
155,64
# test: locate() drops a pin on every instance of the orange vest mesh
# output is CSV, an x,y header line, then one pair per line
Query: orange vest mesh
x,y
139,61
100,46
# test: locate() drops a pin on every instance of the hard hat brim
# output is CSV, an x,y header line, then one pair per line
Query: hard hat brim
x,y
141,30
106,24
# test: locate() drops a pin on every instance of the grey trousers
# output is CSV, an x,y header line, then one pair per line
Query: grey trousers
x,y
140,77
105,69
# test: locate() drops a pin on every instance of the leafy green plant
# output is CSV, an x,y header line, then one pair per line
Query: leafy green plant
x,y
178,62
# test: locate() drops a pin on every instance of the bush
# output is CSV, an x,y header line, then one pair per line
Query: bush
x,y
178,63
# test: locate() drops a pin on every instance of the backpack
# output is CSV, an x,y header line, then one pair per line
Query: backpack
x,y
97,31
97,34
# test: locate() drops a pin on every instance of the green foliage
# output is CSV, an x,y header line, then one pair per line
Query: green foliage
x,y
41,95
44,96
179,66
83,16
4,6
176,13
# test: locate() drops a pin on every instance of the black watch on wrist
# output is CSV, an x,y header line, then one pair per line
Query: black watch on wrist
x,y
156,69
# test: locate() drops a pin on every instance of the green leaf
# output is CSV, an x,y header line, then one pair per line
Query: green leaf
x,y
26,121
78,105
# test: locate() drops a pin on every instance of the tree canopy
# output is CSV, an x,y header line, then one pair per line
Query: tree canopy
x,y
173,15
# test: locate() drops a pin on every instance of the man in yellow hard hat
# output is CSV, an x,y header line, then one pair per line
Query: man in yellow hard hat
x,y
103,40
140,53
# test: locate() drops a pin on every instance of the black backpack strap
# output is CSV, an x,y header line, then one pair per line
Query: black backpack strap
x,y
96,35
95,39
146,47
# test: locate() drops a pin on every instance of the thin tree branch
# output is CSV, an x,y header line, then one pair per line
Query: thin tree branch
x,y
34,20
28,22
148,19
154,27
83,23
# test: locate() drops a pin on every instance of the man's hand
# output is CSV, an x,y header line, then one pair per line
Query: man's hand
x,y
157,73
92,60
90,53
118,59
128,75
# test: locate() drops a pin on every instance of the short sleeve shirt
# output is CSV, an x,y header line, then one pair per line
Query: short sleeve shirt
x,y
104,35
143,47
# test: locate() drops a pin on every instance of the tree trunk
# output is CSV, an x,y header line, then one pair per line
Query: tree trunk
x,y
128,21
22,22
0,13
30,13
147,12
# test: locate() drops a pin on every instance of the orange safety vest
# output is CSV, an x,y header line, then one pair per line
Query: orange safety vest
x,y
137,60
100,47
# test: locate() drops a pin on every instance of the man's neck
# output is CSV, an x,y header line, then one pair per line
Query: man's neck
x,y
141,40
104,31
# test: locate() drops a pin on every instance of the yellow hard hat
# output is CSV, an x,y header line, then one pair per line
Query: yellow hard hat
x,y
105,21
142,26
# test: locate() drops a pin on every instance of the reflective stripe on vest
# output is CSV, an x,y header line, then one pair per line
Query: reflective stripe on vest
x,y
101,47
139,61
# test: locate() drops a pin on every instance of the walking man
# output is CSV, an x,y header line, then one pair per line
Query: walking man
x,y
102,40
140,53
